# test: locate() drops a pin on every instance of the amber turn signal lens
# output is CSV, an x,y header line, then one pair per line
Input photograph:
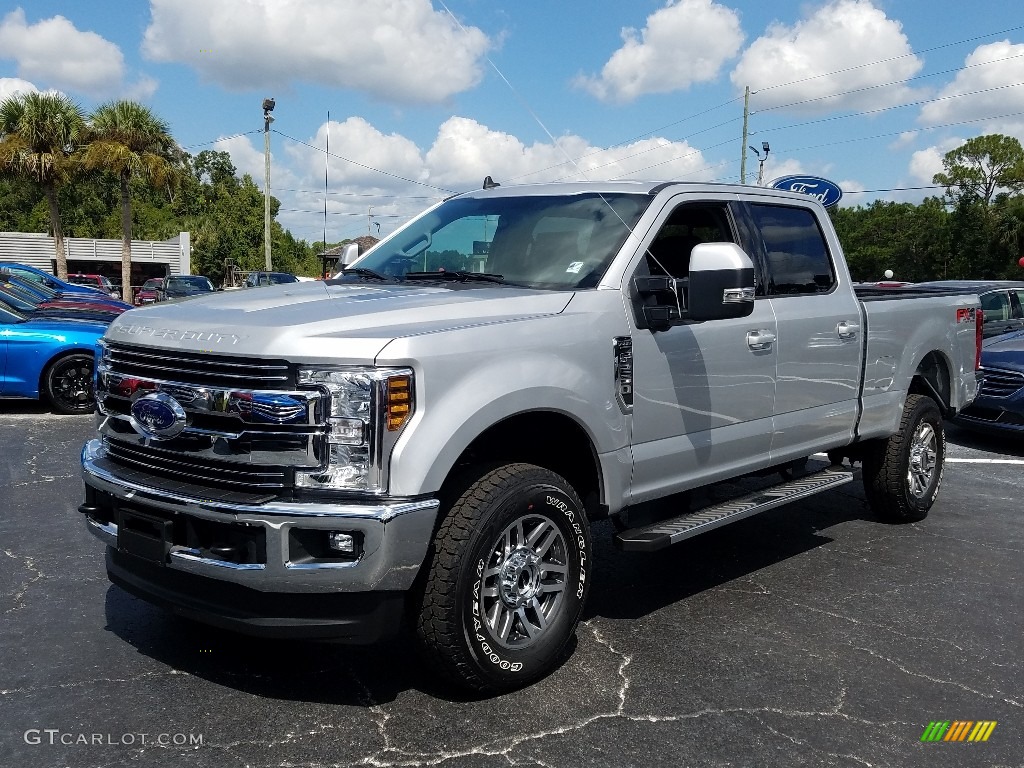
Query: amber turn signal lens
x,y
399,402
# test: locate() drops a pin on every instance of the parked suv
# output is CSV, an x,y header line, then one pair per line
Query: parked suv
x,y
99,282
269,278
184,286
1002,301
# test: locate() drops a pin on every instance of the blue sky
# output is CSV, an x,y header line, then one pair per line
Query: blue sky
x,y
426,98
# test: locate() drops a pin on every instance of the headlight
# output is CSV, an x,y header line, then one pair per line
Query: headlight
x,y
368,408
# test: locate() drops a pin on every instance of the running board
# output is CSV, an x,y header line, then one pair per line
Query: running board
x,y
648,538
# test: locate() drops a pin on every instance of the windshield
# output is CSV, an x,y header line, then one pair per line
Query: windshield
x,y
152,285
557,242
188,284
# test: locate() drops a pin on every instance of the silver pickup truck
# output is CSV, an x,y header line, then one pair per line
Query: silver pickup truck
x,y
428,436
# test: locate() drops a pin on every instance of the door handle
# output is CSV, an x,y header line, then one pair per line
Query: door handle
x,y
847,330
762,339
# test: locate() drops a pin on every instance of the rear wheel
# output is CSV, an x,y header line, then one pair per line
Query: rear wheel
x,y
68,384
506,580
902,474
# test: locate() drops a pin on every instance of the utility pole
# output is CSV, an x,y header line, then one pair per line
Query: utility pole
x,y
743,147
268,107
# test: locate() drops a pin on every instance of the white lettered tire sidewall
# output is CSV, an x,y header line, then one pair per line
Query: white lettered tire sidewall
x,y
538,494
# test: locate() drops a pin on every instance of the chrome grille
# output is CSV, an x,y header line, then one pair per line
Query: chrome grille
x,y
198,369
1000,383
203,471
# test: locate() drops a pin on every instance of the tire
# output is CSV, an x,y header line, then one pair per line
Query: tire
x,y
68,384
506,580
902,473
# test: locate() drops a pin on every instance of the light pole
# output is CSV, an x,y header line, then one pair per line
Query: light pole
x,y
268,107
760,160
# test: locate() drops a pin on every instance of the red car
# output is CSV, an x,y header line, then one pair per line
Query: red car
x,y
99,282
148,292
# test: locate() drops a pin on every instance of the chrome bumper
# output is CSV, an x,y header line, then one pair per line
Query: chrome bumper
x,y
395,535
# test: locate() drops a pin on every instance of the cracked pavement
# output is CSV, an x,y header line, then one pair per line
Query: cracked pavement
x,y
812,635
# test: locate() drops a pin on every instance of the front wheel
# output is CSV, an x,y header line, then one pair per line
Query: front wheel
x,y
68,384
902,474
508,574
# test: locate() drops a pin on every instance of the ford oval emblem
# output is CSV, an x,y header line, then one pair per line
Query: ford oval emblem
x,y
158,416
826,192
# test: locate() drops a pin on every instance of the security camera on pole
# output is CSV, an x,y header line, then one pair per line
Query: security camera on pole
x,y
268,107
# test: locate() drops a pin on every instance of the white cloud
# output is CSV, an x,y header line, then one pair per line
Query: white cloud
x,y
905,139
464,152
991,84
55,52
925,163
822,58
393,179
685,42
246,158
12,85
402,50
850,197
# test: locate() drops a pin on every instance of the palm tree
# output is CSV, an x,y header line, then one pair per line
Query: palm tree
x,y
126,139
39,136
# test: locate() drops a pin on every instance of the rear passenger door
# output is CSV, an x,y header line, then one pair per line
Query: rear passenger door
x,y
819,331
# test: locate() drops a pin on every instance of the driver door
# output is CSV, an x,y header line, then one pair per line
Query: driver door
x,y
704,393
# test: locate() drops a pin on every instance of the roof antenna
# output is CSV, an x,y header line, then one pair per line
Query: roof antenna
x,y
490,183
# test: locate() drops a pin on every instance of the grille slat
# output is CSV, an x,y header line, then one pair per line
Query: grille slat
x,y
199,369
1000,383
216,474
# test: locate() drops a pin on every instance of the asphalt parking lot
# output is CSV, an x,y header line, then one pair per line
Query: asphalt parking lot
x,y
813,635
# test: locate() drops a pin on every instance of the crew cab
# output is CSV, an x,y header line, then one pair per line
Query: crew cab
x,y
428,436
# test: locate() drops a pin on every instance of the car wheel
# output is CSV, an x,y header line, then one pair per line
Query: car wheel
x,y
902,473
506,579
69,384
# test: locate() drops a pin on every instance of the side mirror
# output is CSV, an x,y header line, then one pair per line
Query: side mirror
x,y
721,282
348,254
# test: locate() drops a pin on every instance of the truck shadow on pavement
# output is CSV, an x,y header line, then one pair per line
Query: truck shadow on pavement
x,y
626,586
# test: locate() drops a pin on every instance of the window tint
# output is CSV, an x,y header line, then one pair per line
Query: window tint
x,y
996,306
797,255
1018,306
687,226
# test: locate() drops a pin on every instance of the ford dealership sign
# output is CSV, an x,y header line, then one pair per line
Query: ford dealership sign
x,y
827,192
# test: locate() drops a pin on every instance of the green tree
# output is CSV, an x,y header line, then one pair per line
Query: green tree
x,y
39,136
127,141
982,166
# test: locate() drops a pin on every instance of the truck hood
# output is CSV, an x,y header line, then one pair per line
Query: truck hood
x,y
1006,351
316,321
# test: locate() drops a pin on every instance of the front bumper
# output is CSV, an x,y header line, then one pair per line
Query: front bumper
x,y
175,541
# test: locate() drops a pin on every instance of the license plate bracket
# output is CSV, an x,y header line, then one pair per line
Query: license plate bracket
x,y
146,536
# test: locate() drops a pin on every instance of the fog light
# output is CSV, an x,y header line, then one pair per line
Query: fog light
x,y
342,542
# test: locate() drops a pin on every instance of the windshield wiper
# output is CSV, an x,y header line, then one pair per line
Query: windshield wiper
x,y
364,272
457,274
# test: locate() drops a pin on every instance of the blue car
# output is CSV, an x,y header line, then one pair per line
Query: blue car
x,y
43,293
50,281
48,359
999,407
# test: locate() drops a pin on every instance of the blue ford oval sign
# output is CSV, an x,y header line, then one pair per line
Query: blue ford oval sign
x,y
827,192
158,416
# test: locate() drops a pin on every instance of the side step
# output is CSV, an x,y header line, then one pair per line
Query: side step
x,y
659,535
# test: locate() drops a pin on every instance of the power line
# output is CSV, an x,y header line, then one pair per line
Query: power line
x,y
361,165
885,85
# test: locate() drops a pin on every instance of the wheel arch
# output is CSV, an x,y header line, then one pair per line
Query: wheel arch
x,y
56,358
546,438
933,379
